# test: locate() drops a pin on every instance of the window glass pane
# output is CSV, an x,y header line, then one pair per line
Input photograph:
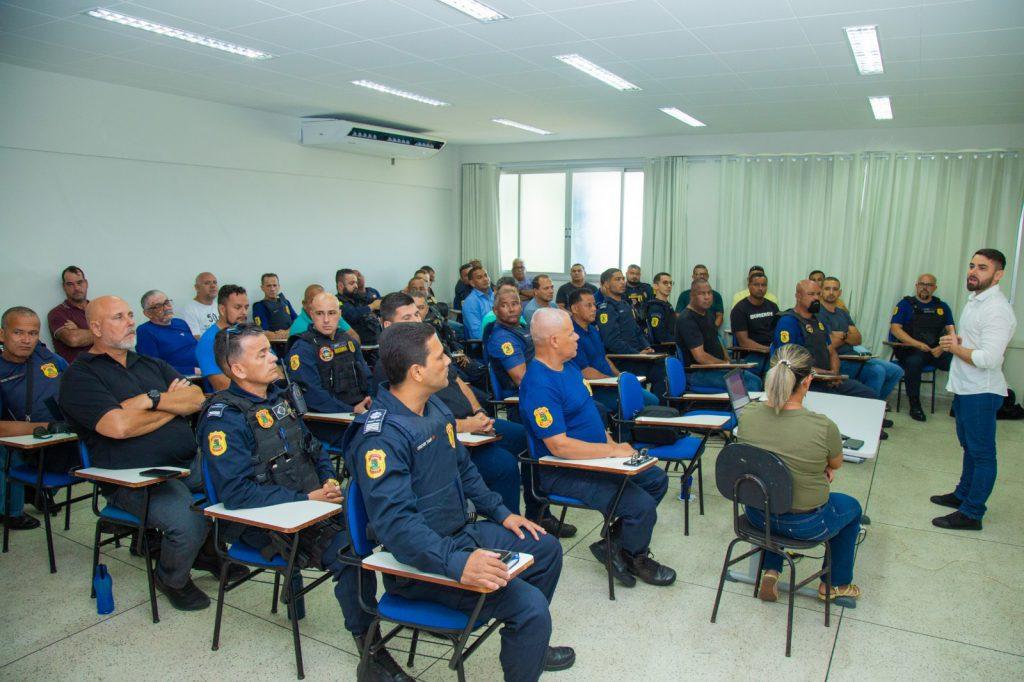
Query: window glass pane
x,y
632,217
596,202
508,217
542,221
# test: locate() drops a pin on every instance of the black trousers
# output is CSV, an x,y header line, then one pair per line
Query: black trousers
x,y
913,363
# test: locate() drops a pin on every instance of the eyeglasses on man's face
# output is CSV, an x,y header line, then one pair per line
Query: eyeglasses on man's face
x,y
159,306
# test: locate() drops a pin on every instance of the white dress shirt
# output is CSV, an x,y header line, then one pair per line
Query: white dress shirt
x,y
986,325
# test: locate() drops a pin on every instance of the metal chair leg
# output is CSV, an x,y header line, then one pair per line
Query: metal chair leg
x,y
561,520
760,571
412,648
150,574
95,559
277,591
934,381
828,581
293,613
792,596
364,658
7,517
220,604
721,579
67,510
700,485
49,530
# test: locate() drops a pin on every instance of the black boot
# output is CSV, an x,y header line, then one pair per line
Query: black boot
x,y
381,667
916,413
644,566
559,658
619,569
550,524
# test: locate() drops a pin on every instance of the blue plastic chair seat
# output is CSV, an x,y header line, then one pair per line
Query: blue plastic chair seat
x,y
703,389
27,474
240,551
563,499
728,426
685,448
423,614
114,514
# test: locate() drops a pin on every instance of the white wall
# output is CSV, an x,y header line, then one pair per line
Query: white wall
x,y
143,190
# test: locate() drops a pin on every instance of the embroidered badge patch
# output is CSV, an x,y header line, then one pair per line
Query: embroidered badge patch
x,y
264,418
784,336
326,353
294,362
821,326
218,442
507,348
655,321
941,311
280,410
49,370
376,463
451,433
543,417
604,318
351,346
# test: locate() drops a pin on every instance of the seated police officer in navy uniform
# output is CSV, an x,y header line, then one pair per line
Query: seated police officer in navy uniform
x,y
497,461
29,382
258,453
561,417
329,367
657,312
637,291
622,335
507,343
799,325
357,308
274,313
416,479
920,321
469,369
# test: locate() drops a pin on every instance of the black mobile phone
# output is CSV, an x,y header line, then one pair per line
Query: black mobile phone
x,y
508,557
159,473
853,444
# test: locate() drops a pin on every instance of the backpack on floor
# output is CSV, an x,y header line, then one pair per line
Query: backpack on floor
x,y
1010,408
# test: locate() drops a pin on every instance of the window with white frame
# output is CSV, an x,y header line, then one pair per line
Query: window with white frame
x,y
552,219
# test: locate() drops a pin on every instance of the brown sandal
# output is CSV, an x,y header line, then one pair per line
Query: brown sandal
x,y
769,590
851,591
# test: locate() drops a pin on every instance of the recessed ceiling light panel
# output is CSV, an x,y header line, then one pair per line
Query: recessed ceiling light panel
x,y
521,126
401,93
604,75
477,10
866,52
682,116
881,107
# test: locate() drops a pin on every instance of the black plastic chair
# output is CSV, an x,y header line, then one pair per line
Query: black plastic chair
x,y
758,478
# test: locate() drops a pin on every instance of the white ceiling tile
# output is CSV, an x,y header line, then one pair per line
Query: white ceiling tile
x,y
15,18
300,6
90,37
150,14
418,72
813,8
1007,41
60,8
35,50
675,67
451,17
439,43
972,66
976,15
759,36
797,57
218,13
297,33
537,29
544,55
719,12
365,55
801,93
275,49
675,43
627,18
253,75
302,65
894,71
894,50
894,23
814,75
375,18
185,58
690,84
530,81
488,64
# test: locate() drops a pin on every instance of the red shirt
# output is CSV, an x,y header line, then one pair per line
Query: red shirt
x,y
56,318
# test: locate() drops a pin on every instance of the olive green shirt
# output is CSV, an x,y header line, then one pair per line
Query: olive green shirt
x,y
802,439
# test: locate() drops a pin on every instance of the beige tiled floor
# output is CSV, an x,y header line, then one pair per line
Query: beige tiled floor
x,y
937,604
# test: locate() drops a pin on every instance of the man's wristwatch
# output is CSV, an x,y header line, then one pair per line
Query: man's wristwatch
x,y
154,395
480,411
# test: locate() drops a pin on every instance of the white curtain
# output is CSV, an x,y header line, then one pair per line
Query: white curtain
x,y
480,215
665,225
874,220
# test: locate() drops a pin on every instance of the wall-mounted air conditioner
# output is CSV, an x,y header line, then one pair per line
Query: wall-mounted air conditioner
x,y
360,138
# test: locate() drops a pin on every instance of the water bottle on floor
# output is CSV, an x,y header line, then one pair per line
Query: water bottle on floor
x,y
104,586
684,488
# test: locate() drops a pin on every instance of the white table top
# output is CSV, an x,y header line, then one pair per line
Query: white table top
x,y
30,442
474,439
859,418
612,381
638,356
371,346
386,562
286,517
613,465
721,365
127,477
696,420
754,395
333,417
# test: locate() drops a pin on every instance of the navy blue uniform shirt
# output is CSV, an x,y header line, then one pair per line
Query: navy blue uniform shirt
x,y
619,329
553,402
590,350
303,358
46,368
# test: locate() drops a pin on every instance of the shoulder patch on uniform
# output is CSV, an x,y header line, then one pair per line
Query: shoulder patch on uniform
x,y
256,319
450,430
507,348
655,320
821,326
603,318
376,463
784,336
374,421
218,442
216,410
895,310
543,417
294,361
352,346
941,311
264,418
49,370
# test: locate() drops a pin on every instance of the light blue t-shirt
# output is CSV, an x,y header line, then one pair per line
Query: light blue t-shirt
x,y
531,307
204,353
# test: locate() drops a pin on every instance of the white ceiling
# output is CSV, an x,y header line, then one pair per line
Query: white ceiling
x,y
738,65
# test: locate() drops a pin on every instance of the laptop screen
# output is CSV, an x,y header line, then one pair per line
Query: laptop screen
x,y
738,395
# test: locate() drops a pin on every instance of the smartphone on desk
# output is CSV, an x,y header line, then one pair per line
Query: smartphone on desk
x,y
852,443
507,556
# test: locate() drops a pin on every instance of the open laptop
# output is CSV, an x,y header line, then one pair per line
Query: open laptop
x,y
737,390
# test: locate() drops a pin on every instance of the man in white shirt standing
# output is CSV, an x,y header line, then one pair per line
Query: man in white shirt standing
x,y
978,386
201,312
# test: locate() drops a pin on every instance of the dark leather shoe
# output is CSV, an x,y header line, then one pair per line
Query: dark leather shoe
x,y
647,569
947,500
185,598
559,658
616,530
619,570
917,414
213,565
882,435
957,521
887,423
381,667
23,522
550,524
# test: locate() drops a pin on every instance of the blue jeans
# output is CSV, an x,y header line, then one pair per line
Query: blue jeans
x,y
880,376
976,431
837,521
16,505
715,378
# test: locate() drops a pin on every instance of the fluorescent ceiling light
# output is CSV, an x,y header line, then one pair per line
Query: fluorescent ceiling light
x,y
521,126
881,107
401,93
682,116
477,10
864,43
591,69
171,32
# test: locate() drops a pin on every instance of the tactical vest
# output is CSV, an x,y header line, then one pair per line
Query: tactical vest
x,y
659,317
368,326
341,373
280,313
926,325
282,455
815,339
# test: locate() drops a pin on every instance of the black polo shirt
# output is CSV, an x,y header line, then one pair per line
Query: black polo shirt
x,y
694,329
96,384
758,321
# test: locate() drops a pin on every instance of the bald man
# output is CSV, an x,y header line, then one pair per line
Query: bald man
x,y
131,411
302,322
200,313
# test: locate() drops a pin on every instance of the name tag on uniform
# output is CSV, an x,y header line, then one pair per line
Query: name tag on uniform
x,y
425,443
